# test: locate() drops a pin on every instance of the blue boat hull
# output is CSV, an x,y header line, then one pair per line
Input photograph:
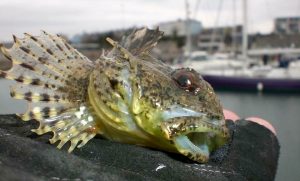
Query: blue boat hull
x,y
253,84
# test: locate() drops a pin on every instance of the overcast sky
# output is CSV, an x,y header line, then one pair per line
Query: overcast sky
x,y
75,16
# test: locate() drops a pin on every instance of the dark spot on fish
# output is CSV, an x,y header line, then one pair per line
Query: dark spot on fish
x,y
15,38
46,110
35,82
28,96
31,115
188,154
26,50
8,57
42,60
49,51
59,47
27,66
56,97
12,94
68,47
47,85
3,74
45,97
154,94
33,38
201,98
56,77
20,79
46,116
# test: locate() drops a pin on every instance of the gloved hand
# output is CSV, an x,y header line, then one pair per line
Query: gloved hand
x,y
252,154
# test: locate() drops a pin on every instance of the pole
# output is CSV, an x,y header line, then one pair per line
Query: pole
x,y
245,31
187,29
234,29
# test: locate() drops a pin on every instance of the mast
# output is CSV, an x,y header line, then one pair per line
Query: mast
x,y
188,44
245,32
215,29
234,29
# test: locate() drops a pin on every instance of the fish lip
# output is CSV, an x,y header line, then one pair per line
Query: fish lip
x,y
194,143
173,128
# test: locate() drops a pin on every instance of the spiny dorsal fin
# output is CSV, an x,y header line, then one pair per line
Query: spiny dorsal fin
x,y
141,40
138,43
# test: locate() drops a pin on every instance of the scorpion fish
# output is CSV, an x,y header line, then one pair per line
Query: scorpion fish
x,y
126,95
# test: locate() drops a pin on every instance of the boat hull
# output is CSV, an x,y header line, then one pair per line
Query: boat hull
x,y
253,84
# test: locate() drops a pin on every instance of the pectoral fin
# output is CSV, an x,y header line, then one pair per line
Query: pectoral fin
x,y
53,77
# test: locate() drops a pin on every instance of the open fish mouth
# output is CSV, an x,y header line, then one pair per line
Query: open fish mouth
x,y
193,137
193,134
196,149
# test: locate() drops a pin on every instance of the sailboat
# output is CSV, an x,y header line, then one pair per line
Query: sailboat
x,y
256,78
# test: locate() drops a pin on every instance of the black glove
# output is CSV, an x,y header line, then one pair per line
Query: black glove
x,y
252,154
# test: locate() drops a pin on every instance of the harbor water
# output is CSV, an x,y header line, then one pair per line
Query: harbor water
x,y
281,110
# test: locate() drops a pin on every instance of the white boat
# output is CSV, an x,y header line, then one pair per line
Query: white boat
x,y
201,61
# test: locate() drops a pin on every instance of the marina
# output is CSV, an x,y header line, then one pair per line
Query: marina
x,y
246,69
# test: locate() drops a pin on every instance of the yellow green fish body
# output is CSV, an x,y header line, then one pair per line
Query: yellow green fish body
x,y
126,95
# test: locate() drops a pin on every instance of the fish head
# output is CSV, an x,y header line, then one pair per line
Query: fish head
x,y
181,107
157,106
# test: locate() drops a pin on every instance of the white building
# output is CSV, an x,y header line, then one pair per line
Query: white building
x,y
220,39
179,27
289,25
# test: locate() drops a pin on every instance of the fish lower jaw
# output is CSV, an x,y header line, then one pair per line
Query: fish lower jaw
x,y
185,146
195,141
196,146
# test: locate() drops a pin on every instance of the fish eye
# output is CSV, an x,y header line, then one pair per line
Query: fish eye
x,y
185,79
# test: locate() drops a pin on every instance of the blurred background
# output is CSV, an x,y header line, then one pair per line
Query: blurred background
x,y
248,50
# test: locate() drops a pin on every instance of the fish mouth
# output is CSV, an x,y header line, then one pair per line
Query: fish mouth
x,y
195,135
195,149
195,139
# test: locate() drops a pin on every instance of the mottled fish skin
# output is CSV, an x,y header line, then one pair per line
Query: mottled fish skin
x,y
126,95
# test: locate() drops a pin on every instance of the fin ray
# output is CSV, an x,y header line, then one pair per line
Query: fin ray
x,y
69,126
37,94
52,76
42,110
141,40
28,77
